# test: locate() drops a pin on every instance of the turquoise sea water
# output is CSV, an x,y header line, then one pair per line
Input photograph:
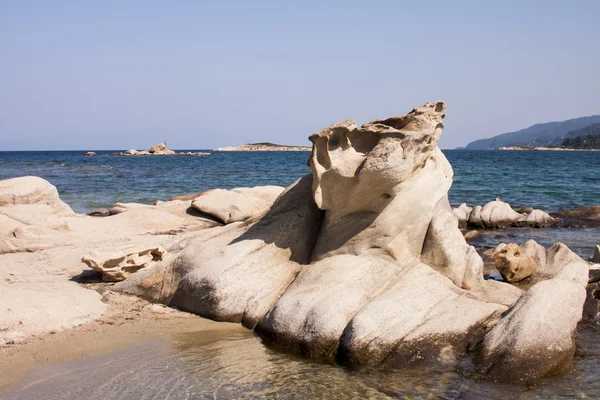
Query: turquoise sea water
x,y
546,180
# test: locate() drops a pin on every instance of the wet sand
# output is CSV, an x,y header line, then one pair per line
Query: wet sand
x,y
129,322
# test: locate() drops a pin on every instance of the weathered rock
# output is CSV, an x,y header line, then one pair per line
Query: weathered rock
x,y
514,264
99,212
89,154
535,338
31,190
415,318
118,265
309,317
539,218
498,214
596,256
371,267
446,251
462,213
580,217
237,204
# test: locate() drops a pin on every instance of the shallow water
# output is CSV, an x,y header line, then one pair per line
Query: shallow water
x,y
548,180
237,365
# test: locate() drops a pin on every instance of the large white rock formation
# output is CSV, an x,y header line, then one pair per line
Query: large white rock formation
x,y
363,261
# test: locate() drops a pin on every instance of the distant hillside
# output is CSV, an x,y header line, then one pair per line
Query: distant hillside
x,y
547,134
576,140
593,129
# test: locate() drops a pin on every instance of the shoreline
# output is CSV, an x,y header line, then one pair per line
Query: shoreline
x,y
129,322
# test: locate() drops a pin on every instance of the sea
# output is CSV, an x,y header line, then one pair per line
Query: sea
x,y
543,179
239,365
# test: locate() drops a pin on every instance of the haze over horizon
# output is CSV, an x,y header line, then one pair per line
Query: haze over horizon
x,y
106,75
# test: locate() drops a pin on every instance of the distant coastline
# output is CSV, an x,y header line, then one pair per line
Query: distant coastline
x,y
543,148
263,146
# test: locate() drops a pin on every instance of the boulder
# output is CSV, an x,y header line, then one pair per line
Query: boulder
x,y
237,204
118,265
31,190
462,213
535,338
514,264
89,154
539,218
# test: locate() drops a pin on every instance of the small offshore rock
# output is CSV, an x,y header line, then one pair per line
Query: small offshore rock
x,y
89,154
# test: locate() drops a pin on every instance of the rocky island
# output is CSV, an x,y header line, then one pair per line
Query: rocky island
x,y
361,262
264,146
159,150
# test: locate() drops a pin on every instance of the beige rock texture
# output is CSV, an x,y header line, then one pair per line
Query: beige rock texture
x,y
363,261
42,242
29,190
514,264
237,204
89,154
118,265
498,214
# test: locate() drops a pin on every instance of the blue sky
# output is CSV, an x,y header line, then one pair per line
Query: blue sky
x,y
117,75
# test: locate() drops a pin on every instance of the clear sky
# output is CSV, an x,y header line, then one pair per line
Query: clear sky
x,y
128,74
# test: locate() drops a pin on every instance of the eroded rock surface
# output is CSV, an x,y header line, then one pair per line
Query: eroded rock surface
x,y
118,265
498,214
236,204
513,264
363,261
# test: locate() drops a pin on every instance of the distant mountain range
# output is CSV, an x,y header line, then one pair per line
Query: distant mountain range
x,y
547,134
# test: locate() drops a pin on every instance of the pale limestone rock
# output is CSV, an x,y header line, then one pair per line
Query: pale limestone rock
x,y
535,339
415,318
514,264
446,250
498,214
237,204
539,218
31,190
462,213
309,317
371,267
89,154
118,265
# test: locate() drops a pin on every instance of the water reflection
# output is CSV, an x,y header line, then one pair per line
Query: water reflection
x,y
232,365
